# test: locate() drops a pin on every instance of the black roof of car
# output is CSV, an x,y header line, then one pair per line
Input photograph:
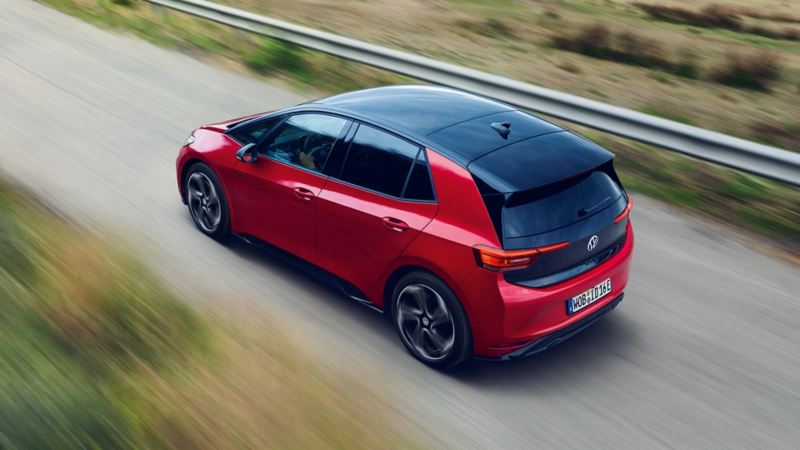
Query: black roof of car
x,y
456,122
508,148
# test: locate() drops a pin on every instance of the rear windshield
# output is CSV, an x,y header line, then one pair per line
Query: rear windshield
x,y
558,204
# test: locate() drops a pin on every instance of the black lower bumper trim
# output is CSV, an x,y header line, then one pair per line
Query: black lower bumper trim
x,y
563,334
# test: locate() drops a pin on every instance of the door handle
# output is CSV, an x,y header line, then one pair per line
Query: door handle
x,y
303,194
395,224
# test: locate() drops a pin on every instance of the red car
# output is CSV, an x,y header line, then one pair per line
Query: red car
x,y
478,228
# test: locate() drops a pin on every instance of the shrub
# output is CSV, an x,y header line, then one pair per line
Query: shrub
x,y
275,56
490,27
719,16
627,47
756,71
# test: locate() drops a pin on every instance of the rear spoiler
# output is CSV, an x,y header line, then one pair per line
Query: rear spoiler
x,y
538,162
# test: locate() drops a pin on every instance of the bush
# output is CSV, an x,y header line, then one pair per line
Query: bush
x,y
756,71
628,47
275,56
719,16
493,27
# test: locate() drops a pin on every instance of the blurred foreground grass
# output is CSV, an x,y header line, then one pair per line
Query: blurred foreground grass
x,y
96,353
749,202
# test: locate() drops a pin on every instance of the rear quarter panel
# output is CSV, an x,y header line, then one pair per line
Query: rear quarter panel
x,y
445,246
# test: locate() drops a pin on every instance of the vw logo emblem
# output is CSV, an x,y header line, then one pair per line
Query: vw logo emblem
x,y
592,243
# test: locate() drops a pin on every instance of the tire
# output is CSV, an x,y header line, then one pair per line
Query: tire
x,y
430,321
207,203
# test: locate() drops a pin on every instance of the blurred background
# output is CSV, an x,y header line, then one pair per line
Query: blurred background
x,y
123,328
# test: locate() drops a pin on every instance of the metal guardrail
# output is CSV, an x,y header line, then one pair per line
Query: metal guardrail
x,y
740,154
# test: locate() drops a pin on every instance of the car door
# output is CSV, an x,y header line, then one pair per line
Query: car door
x,y
373,206
276,195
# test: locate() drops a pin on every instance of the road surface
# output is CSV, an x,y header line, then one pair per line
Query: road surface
x,y
703,353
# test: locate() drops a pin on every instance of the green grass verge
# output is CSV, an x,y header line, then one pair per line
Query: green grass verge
x,y
95,352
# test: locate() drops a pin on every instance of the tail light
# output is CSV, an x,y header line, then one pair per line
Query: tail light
x,y
506,260
625,212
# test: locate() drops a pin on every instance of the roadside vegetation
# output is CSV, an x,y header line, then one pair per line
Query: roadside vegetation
x,y
95,352
616,52
628,47
723,16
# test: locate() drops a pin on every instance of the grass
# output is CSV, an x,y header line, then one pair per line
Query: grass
x,y
95,352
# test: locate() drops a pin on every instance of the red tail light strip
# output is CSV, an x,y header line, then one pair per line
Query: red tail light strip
x,y
625,212
505,260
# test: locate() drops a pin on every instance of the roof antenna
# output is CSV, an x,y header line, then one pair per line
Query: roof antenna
x,y
503,128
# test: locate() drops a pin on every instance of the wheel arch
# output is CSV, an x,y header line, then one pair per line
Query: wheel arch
x,y
185,172
403,270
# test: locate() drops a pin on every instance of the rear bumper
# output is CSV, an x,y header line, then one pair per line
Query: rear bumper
x,y
553,339
508,319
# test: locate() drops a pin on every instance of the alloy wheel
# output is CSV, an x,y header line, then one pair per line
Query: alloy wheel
x,y
204,202
425,322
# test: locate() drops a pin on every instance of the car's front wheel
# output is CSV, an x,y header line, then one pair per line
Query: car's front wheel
x,y
206,201
430,321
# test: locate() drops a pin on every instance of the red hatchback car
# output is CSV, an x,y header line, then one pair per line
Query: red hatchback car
x,y
479,228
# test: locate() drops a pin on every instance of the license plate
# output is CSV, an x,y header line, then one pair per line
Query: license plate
x,y
588,297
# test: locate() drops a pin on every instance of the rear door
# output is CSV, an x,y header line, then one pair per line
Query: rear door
x,y
378,199
276,196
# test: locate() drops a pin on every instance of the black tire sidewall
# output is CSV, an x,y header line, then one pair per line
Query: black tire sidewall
x,y
223,230
462,347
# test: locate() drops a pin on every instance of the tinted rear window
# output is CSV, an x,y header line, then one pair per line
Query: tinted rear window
x,y
559,204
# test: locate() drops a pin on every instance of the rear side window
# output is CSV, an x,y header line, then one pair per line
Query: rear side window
x,y
251,133
379,161
559,204
419,185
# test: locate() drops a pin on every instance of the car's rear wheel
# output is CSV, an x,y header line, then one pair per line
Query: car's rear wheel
x,y
206,201
430,321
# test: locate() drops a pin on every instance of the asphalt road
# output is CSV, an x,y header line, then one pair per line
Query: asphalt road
x,y
703,353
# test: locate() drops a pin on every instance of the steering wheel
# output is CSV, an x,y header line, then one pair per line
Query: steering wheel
x,y
309,147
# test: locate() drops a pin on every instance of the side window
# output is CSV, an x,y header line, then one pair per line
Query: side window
x,y
305,140
419,182
253,132
379,161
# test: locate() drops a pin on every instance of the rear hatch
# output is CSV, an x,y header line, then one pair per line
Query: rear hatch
x,y
553,189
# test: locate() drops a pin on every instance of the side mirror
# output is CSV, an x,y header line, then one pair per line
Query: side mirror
x,y
247,154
